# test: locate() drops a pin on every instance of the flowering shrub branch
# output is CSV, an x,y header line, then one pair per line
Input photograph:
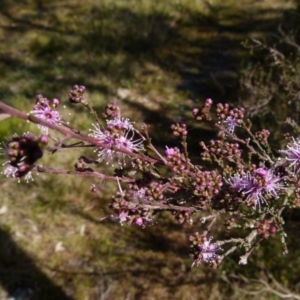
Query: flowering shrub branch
x,y
242,182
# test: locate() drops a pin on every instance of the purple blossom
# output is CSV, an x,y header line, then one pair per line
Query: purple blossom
x,y
169,152
123,216
105,138
127,143
43,110
120,141
10,171
257,185
272,183
120,123
230,123
207,251
248,185
292,154
237,181
139,194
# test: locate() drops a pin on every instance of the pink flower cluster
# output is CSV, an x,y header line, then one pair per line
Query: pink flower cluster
x,y
256,186
119,134
44,109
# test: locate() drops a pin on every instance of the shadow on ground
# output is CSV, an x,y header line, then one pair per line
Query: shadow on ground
x,y
19,273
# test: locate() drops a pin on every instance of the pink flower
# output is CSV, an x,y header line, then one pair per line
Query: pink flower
x,y
230,123
11,171
139,221
123,141
206,251
292,154
123,215
43,110
272,183
258,185
120,123
169,152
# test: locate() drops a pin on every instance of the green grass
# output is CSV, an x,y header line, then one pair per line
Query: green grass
x,y
166,56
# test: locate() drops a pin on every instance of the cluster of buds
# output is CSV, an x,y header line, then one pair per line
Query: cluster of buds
x,y
230,118
126,206
220,150
76,94
223,112
229,223
262,135
295,201
183,217
111,111
179,129
141,165
265,228
23,152
155,191
204,113
207,185
152,191
175,160
41,101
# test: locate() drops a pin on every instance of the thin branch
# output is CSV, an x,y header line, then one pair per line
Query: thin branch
x,y
68,133
159,206
41,169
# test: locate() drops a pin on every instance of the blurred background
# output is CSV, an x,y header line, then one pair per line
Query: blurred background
x,y
158,59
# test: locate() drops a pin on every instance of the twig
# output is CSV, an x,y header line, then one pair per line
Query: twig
x,y
41,169
70,134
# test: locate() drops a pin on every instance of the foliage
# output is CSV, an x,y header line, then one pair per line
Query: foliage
x,y
273,82
247,186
